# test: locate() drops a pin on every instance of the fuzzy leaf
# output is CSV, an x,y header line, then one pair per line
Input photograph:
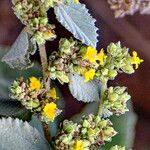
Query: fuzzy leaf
x,y
90,108
7,75
11,108
18,55
53,126
36,123
76,18
86,92
18,135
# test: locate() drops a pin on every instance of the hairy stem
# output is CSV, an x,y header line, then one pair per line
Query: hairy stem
x,y
103,89
46,131
44,62
46,79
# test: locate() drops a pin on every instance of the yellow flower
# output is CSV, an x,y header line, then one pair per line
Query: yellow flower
x,y
50,110
136,60
52,93
101,56
76,1
47,34
89,75
79,145
35,83
91,54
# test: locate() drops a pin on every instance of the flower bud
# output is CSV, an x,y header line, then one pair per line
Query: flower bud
x,y
128,69
103,123
112,48
84,131
105,71
62,77
116,99
65,46
66,139
69,126
43,20
97,119
112,74
85,124
113,97
109,131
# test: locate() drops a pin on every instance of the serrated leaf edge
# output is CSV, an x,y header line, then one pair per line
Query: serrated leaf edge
x,y
74,33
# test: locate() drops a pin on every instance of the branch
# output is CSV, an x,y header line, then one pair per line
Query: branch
x,y
46,131
46,79
44,62
103,89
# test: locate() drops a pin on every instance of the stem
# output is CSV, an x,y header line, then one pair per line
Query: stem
x,y
103,89
44,62
46,82
46,132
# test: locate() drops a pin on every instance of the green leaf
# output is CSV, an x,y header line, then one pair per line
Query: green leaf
x,y
11,108
76,18
18,135
20,51
86,92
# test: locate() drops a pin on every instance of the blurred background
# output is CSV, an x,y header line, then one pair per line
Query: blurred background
x,y
132,31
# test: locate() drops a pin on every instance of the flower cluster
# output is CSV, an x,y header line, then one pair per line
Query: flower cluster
x,y
91,132
124,7
33,96
115,100
118,60
33,15
71,58
74,57
117,148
